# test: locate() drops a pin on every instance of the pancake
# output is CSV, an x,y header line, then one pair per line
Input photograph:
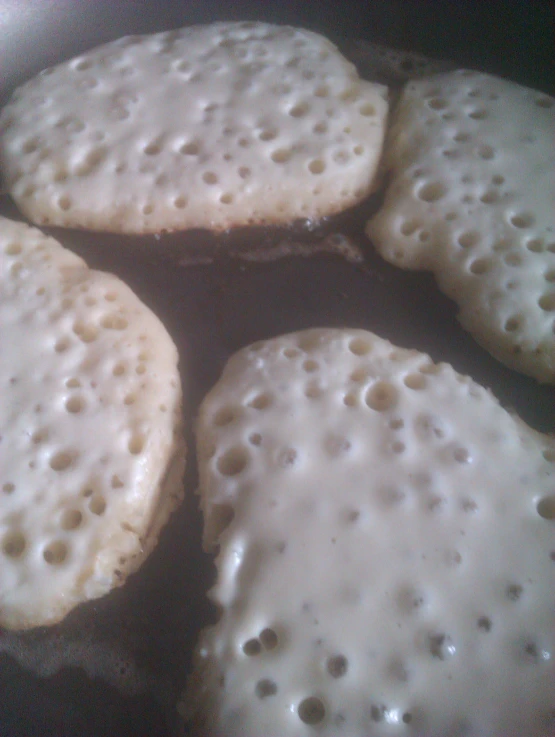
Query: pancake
x,y
211,127
92,452
385,556
471,197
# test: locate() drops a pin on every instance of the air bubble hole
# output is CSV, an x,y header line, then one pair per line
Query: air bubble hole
x,y
432,192
233,462
461,455
260,401
546,507
71,519
337,666
415,381
311,710
381,396
61,461
56,553
97,505
522,220
136,444
265,688
75,405
468,239
225,416
14,544
440,646
547,302
360,347
252,647
268,638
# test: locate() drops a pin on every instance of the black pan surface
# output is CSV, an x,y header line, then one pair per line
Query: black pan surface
x,y
118,664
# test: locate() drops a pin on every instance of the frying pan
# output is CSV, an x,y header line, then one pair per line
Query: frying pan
x,y
115,666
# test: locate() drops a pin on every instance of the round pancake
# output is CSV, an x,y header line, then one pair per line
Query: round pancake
x,y
386,560
91,447
206,127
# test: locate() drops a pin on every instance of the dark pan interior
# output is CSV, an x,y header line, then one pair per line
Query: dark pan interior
x,y
126,656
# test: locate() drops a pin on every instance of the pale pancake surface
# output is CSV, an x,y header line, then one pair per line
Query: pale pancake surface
x,y
472,198
91,447
386,557
205,127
